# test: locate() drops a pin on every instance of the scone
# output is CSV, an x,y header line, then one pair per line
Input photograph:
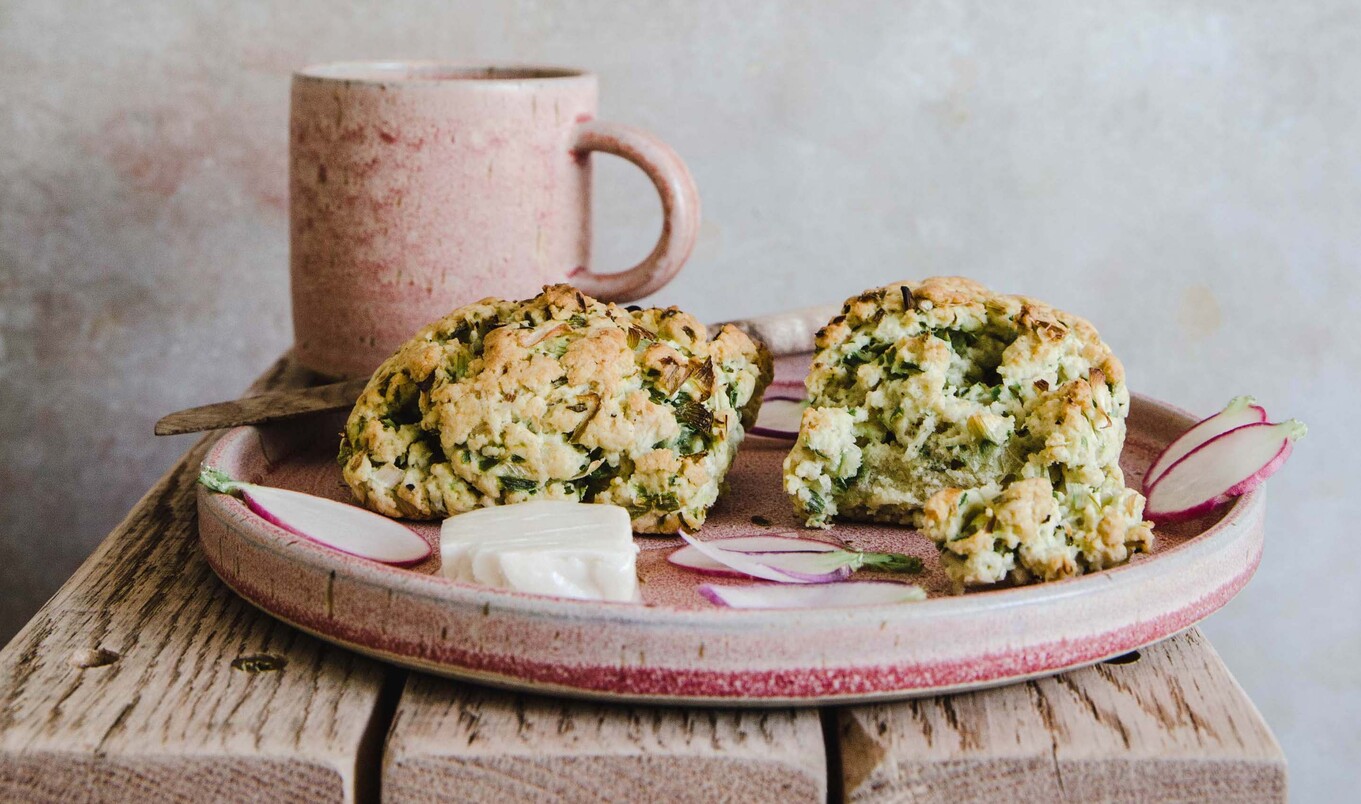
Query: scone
x,y
559,397
994,423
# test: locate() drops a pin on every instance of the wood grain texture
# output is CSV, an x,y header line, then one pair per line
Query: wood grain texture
x,y
1172,726
144,678
452,741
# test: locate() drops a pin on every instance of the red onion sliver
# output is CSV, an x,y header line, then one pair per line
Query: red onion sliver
x,y
790,560
741,562
772,543
779,418
692,559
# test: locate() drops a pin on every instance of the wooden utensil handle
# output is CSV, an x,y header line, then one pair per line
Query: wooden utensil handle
x,y
262,409
787,333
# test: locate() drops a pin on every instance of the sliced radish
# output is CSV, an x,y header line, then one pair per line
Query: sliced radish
x,y
854,593
1226,466
346,528
784,559
779,417
1240,411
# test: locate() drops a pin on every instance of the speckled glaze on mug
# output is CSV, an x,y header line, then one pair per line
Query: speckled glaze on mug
x,y
418,187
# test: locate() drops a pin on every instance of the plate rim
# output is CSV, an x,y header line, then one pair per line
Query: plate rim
x,y
1242,518
285,543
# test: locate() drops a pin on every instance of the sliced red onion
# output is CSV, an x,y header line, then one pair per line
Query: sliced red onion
x,y
779,417
741,562
342,527
826,567
1240,411
852,593
784,559
690,558
787,389
1226,466
771,543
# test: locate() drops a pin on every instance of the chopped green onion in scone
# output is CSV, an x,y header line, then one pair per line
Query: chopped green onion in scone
x,y
558,397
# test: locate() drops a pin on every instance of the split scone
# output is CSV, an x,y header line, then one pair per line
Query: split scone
x,y
993,423
559,397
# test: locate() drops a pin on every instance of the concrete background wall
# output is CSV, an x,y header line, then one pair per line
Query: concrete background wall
x,y
1185,174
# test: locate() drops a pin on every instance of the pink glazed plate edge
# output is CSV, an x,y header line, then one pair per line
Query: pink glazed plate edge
x,y
625,652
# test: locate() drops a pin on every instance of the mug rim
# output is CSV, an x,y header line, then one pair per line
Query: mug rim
x,y
430,72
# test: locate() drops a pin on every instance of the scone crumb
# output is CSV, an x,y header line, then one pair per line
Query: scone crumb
x,y
992,422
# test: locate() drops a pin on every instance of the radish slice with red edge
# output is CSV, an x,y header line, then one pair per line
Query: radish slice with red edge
x,y
342,527
1240,411
784,559
852,593
1226,466
779,417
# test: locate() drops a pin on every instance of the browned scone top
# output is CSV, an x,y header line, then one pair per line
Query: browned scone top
x,y
556,397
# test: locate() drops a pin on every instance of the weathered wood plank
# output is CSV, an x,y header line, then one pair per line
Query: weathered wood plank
x,y
144,678
1172,726
453,741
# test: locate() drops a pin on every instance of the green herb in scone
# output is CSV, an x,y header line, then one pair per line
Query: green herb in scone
x,y
992,422
559,397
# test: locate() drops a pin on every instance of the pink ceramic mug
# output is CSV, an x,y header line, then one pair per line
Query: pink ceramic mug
x,y
418,187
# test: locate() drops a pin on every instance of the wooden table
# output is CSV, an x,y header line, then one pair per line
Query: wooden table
x,y
145,678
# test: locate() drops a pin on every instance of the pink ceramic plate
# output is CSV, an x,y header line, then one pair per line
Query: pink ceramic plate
x,y
677,646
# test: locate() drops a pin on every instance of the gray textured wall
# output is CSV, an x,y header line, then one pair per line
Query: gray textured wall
x,y
1185,174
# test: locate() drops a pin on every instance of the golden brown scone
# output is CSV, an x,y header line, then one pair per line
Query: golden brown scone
x,y
993,422
559,397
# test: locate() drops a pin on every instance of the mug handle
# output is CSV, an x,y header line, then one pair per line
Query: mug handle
x,y
680,211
